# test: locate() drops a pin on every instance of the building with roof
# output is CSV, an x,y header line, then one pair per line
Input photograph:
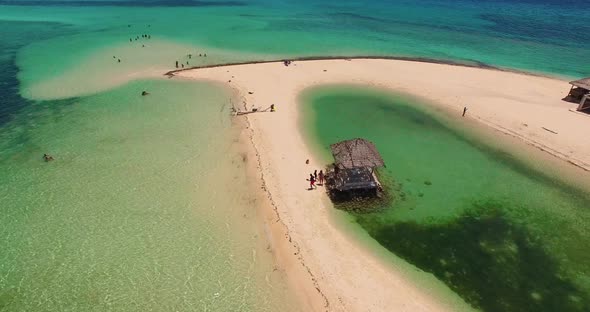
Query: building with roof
x,y
353,174
580,93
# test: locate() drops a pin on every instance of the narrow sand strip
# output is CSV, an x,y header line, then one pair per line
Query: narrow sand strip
x,y
344,276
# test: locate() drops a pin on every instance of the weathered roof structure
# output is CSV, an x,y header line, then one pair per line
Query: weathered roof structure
x,y
355,179
582,83
356,153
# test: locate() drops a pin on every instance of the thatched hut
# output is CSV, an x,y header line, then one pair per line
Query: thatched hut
x,y
580,93
353,173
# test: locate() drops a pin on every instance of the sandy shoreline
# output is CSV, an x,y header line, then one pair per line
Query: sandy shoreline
x,y
480,65
328,269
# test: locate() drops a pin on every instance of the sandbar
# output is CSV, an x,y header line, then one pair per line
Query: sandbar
x,y
330,271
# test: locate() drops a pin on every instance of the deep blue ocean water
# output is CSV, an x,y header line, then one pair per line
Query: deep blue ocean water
x,y
13,36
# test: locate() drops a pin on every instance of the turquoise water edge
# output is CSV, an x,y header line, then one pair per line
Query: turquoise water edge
x,y
135,211
504,236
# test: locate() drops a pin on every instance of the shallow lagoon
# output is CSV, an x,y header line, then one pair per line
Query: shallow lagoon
x,y
501,234
140,210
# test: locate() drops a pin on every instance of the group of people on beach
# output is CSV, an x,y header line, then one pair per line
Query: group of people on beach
x,y
131,40
316,177
190,56
142,36
147,36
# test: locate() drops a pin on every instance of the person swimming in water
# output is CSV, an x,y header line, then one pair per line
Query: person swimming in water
x,y
47,158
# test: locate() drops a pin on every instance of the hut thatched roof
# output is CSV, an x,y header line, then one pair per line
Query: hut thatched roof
x,y
582,83
356,153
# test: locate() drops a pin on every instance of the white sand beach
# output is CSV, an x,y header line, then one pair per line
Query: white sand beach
x,y
330,270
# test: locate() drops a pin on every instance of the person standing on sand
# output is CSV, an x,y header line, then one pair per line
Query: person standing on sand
x,y
321,176
311,182
464,111
315,174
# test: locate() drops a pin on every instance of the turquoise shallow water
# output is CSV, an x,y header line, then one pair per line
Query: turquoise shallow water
x,y
140,210
504,236
123,220
516,34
